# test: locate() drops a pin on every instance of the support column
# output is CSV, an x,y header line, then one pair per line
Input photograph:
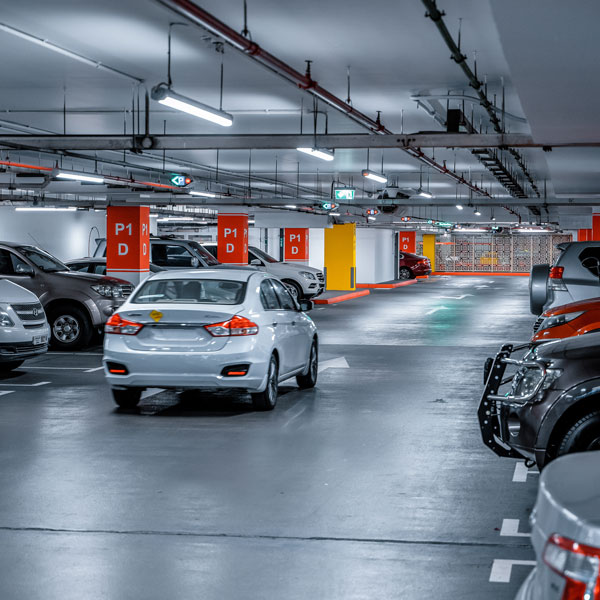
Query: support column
x,y
295,245
128,242
429,248
583,235
340,257
595,226
232,238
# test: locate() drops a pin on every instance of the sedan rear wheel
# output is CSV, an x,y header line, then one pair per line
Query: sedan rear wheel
x,y
310,379
268,399
405,273
127,398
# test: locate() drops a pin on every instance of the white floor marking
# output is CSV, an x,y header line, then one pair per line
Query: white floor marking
x,y
521,472
502,569
77,353
297,411
54,368
510,528
151,392
93,370
334,363
481,286
25,384
454,297
7,392
434,310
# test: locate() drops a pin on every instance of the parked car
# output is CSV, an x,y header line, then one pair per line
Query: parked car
x,y
566,532
24,331
76,303
571,319
411,265
553,405
97,265
575,276
210,329
300,280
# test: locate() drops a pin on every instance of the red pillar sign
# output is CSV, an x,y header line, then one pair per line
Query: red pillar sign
x,y
408,241
232,238
295,244
128,242
595,228
583,235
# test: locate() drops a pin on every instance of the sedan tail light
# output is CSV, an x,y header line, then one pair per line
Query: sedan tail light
x,y
235,326
577,564
119,325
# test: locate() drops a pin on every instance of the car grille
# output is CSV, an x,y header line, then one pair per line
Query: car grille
x,y
127,289
320,277
29,312
33,325
18,347
537,324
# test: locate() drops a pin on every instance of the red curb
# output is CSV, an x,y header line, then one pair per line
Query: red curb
x,y
375,286
342,297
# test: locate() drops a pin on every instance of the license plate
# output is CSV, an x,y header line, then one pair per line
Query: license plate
x,y
39,339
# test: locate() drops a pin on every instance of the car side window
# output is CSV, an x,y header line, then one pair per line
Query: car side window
x,y
84,267
287,302
268,297
590,259
171,255
11,264
99,269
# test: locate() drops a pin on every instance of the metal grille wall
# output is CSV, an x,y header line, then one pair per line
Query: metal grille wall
x,y
495,253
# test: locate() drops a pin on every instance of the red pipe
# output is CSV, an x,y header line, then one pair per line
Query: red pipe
x,y
8,163
191,11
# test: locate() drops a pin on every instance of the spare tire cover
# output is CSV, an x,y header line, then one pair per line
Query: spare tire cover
x,y
538,288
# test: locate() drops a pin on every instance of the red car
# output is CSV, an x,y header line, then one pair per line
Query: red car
x,y
412,265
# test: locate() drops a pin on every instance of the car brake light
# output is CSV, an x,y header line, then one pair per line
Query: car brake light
x,y
577,564
121,326
235,326
556,272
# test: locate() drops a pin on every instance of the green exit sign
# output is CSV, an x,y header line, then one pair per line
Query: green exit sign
x,y
344,194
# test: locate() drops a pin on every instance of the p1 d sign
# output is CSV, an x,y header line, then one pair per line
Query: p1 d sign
x,y
232,238
408,241
128,239
295,244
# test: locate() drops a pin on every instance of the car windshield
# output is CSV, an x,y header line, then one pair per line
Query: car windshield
x,y
263,255
191,291
209,259
44,261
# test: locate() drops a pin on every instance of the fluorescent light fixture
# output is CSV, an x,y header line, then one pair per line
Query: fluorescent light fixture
x,y
530,230
379,177
424,194
176,219
203,194
45,208
251,221
321,153
477,212
291,206
473,230
459,206
334,214
78,176
371,218
163,95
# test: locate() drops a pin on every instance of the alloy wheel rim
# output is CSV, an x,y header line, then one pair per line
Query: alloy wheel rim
x,y
292,290
404,274
66,328
594,444
272,383
313,363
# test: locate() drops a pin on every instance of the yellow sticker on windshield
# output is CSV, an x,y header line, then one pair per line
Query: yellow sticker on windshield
x,y
156,315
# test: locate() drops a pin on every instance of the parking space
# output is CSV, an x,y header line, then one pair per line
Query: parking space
x,y
373,484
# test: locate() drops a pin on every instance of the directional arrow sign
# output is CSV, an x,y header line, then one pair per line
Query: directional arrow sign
x,y
334,363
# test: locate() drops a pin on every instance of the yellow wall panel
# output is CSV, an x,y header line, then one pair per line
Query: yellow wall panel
x,y
429,248
340,257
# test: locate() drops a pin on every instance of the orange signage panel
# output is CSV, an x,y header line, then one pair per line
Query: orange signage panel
x,y
128,238
408,241
232,239
295,244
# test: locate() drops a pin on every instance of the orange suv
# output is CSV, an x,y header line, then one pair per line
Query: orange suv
x,y
568,320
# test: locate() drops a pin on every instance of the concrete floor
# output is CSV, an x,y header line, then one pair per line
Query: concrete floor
x,y
373,485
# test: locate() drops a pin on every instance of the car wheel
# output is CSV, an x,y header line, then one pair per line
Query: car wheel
x,y
583,435
310,379
9,366
294,289
268,399
538,288
127,398
405,273
70,328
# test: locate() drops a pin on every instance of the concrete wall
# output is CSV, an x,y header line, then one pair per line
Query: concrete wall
x,y
63,234
374,255
316,248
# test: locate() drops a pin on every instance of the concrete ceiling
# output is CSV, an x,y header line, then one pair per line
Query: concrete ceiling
x,y
393,52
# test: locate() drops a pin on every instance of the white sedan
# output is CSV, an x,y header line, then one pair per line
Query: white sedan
x,y
209,330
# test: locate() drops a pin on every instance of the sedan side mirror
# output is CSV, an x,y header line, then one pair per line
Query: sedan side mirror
x,y
306,305
22,269
195,262
256,262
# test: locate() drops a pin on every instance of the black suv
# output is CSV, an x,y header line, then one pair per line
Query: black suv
x,y
553,405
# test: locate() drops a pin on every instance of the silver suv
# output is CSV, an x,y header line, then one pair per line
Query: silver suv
x,y
76,303
575,276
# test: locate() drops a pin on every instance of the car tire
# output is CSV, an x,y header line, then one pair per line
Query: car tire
x,y
310,379
267,399
70,328
582,436
127,398
538,288
9,366
294,289
405,273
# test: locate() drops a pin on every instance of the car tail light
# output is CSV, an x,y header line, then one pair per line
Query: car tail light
x,y
556,280
119,325
235,326
577,564
556,272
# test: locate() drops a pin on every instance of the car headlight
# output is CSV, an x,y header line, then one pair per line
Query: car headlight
x,y
108,291
307,275
559,320
528,378
5,320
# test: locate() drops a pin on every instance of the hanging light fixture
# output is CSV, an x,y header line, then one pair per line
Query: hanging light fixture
x,y
74,176
321,153
477,212
421,192
374,175
203,194
459,206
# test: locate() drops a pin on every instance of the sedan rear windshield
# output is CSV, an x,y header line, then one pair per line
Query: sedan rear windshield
x,y
191,291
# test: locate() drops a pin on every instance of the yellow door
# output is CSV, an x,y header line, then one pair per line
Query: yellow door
x,y
340,257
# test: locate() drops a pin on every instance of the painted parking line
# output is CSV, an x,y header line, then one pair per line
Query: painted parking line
x,y
93,370
55,353
502,569
522,472
333,363
7,392
510,528
55,368
461,297
25,384
434,310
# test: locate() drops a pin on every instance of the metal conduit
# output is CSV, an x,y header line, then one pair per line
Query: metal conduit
x,y
197,15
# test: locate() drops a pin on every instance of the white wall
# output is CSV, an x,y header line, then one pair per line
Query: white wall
x,y
316,248
374,255
63,234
